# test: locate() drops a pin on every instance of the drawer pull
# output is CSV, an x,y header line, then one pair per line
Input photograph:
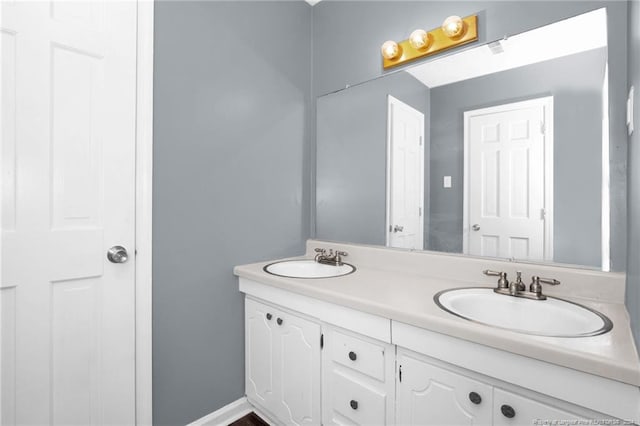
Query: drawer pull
x,y
508,411
279,321
353,403
475,398
352,357
269,316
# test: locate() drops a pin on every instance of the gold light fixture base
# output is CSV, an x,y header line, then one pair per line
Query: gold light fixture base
x,y
439,42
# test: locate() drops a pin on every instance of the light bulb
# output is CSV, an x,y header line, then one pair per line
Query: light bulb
x,y
419,39
390,49
453,26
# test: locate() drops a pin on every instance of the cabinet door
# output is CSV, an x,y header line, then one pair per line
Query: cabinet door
x,y
513,409
259,353
430,395
298,370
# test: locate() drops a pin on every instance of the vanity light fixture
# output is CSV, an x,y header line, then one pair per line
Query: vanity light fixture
x,y
420,39
453,26
390,50
455,31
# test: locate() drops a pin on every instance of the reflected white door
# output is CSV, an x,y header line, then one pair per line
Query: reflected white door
x,y
68,145
405,176
508,180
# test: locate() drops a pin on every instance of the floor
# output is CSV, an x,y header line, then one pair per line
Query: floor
x,y
250,419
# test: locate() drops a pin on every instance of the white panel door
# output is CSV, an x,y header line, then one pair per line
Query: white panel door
x,y
506,185
405,176
430,395
68,145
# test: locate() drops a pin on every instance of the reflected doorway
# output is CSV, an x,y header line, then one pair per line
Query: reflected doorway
x,y
508,166
405,176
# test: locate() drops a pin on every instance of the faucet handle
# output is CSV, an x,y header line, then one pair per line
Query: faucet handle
x,y
320,250
502,281
342,253
536,288
550,281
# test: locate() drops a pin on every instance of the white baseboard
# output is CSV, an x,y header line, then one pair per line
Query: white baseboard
x,y
225,415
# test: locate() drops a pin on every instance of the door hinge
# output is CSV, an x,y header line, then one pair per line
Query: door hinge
x,y
420,140
419,211
321,341
543,127
400,373
543,214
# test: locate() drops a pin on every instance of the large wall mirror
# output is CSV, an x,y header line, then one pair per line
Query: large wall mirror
x,y
498,150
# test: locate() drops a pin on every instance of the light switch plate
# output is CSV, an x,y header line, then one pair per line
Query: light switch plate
x,y
446,182
630,111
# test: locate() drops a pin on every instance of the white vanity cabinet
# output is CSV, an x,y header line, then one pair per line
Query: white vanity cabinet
x,y
282,363
309,361
431,395
357,379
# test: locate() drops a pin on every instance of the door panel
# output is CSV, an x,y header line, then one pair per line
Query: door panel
x,y
506,184
68,182
527,411
259,338
299,371
430,395
406,176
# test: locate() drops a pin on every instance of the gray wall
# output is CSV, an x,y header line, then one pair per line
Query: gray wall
x,y
360,27
352,157
633,271
230,184
575,82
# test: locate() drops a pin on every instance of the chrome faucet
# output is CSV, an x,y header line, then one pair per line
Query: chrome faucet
x,y
330,258
517,288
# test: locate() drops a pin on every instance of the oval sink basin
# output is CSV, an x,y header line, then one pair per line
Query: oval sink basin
x,y
552,317
307,269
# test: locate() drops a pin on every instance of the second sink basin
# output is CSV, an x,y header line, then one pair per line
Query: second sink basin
x,y
552,317
306,268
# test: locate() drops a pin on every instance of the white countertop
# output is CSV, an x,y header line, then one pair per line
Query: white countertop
x,y
408,298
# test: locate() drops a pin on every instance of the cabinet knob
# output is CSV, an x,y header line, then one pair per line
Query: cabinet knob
x,y
508,411
279,321
354,404
269,316
475,398
352,356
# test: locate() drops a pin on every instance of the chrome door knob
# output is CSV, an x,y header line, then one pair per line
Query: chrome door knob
x,y
476,227
117,254
398,228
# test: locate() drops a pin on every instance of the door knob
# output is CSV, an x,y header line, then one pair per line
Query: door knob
x,y
476,227
398,228
117,254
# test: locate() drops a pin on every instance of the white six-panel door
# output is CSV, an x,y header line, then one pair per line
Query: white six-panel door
x,y
68,164
508,182
405,176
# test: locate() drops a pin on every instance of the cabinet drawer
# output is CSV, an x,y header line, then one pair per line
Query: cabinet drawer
x,y
364,357
356,401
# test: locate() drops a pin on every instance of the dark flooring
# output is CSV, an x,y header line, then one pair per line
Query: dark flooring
x,y
250,419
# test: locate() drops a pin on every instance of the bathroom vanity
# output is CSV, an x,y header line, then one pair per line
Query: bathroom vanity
x,y
372,347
